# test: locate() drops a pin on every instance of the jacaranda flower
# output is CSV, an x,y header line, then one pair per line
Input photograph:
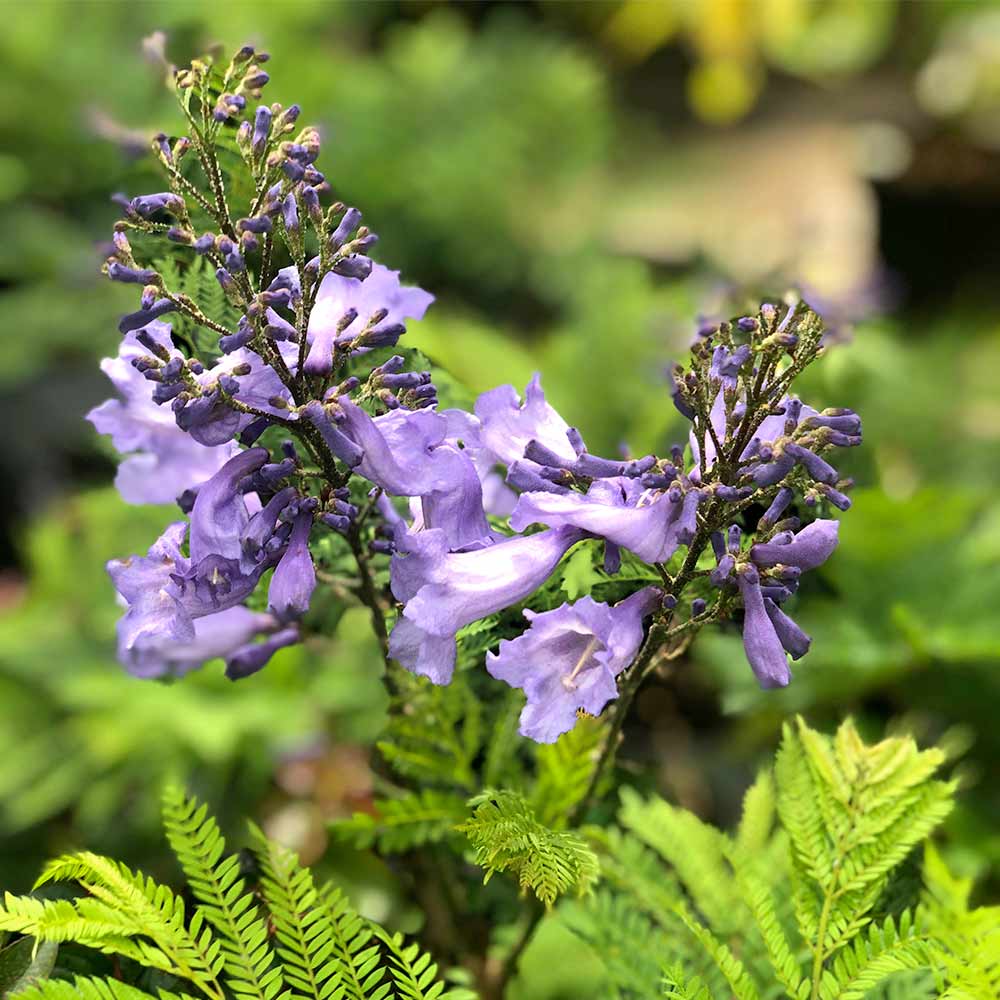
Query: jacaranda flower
x,y
569,659
444,591
650,523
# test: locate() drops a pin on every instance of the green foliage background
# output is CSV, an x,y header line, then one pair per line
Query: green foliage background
x,y
548,182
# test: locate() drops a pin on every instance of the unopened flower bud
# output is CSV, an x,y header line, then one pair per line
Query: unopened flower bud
x,y
354,266
261,130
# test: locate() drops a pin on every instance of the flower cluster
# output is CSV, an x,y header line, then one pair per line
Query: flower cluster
x,y
289,427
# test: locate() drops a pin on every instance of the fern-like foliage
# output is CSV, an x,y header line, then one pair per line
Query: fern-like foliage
x,y
400,824
436,734
82,988
197,280
564,769
506,835
970,938
800,902
280,938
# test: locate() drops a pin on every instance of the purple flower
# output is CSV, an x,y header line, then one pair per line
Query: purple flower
x,y
406,453
507,425
219,517
294,577
806,550
465,429
568,660
445,591
760,639
166,461
649,523
338,295
218,635
154,620
166,591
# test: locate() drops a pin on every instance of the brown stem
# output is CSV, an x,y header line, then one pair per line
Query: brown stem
x,y
369,594
497,976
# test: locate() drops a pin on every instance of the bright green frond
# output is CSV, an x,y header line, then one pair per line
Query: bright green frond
x,y
564,771
223,899
304,936
506,836
91,989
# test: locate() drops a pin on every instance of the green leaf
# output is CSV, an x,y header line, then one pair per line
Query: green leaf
x,y
24,962
506,836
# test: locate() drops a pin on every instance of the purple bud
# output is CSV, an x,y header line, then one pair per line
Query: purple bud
x,y
130,275
792,638
338,442
261,224
234,341
723,571
294,577
845,421
733,541
780,502
149,204
164,392
597,468
612,558
290,213
254,81
133,321
310,201
340,523
204,244
575,440
162,145
261,129
225,279
353,266
817,467
839,500
638,467
656,480
385,336
771,473
523,477
288,117
278,328
732,494
252,657
682,405
793,411
350,222
698,606
841,440
253,430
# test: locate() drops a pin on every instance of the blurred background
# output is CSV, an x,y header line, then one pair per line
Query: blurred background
x,y
578,183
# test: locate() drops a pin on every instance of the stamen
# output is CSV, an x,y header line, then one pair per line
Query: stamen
x,y
568,681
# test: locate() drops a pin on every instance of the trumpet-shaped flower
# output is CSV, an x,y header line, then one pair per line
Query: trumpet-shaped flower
x,y
569,659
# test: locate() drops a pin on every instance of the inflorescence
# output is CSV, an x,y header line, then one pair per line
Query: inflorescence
x,y
294,426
